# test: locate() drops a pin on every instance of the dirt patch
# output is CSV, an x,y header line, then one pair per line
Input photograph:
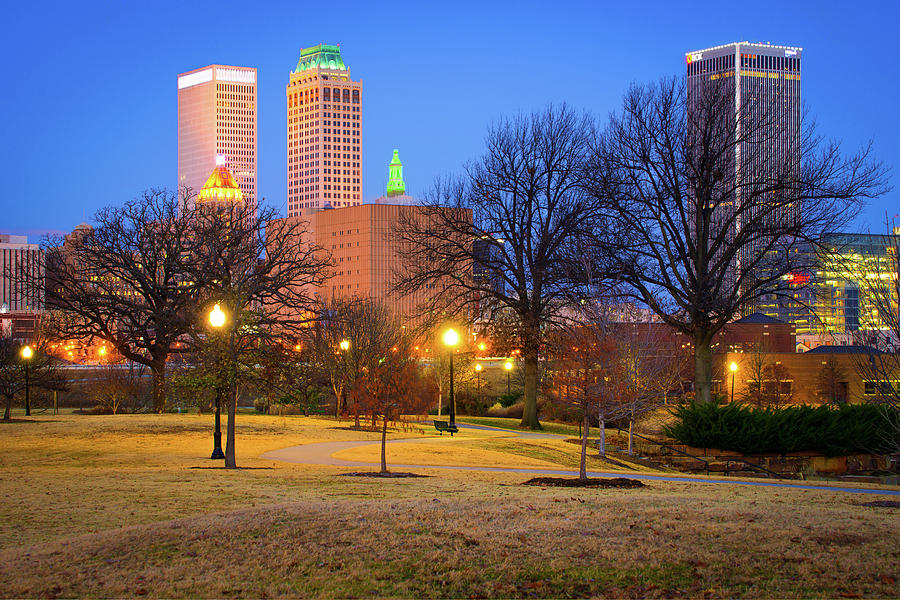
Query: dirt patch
x,y
615,482
882,504
389,474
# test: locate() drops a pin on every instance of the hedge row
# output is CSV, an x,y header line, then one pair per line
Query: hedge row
x,y
848,429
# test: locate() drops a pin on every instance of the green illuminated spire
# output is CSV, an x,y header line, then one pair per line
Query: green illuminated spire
x,y
395,186
323,56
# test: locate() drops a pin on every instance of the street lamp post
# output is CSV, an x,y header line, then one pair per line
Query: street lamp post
x,y
217,320
345,345
478,381
734,367
451,338
27,353
508,366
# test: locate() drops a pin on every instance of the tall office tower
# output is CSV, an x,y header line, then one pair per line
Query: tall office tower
x,y
759,88
747,96
21,272
217,118
324,133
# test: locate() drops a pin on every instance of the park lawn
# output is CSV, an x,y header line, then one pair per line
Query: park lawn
x,y
111,506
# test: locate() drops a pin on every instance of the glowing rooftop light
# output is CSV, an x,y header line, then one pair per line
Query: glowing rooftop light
x,y
221,159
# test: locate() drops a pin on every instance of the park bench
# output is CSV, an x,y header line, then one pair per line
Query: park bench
x,y
443,426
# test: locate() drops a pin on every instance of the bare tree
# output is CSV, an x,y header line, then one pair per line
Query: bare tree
x,y
261,273
124,281
710,222
880,367
393,385
504,235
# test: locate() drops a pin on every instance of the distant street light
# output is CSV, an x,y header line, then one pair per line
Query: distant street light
x,y
344,345
478,368
451,339
734,367
508,366
27,353
217,320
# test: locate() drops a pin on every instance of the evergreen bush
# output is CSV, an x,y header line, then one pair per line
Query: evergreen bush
x,y
834,431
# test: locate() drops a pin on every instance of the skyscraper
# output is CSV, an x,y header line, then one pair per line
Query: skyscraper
x,y
743,109
324,133
217,118
761,83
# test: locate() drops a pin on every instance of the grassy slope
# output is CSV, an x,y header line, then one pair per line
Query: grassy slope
x,y
110,506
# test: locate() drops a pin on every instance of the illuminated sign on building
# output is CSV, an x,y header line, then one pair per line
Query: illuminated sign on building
x,y
694,57
790,53
797,278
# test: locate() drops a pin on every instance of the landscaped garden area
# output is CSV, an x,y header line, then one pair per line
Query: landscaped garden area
x,y
129,505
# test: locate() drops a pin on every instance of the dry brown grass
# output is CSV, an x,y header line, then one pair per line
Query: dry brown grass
x,y
110,506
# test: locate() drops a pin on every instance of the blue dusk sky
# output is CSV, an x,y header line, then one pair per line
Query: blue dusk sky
x,y
89,107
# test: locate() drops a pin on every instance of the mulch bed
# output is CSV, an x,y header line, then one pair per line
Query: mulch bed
x,y
615,482
389,474
883,504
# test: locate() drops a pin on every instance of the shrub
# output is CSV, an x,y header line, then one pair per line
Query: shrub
x,y
834,431
508,412
507,400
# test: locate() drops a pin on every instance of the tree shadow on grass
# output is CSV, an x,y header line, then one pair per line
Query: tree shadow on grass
x,y
388,475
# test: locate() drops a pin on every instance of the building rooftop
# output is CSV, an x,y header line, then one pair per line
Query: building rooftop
x,y
221,187
844,350
322,56
757,319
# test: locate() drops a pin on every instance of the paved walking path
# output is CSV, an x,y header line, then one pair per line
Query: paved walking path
x,y
321,453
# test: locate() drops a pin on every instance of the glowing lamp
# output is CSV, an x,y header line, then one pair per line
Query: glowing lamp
x,y
345,345
27,352
102,350
478,367
482,346
508,365
733,367
217,316
451,338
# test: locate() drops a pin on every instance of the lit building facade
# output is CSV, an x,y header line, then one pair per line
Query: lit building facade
x,y
324,133
838,297
21,275
217,117
755,90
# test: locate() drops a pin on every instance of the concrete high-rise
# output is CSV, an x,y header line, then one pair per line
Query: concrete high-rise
x,y
324,133
760,86
217,117
743,109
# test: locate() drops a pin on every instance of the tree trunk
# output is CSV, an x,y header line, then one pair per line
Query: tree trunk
x,y
631,436
158,369
383,444
602,425
7,412
702,368
229,440
529,414
582,471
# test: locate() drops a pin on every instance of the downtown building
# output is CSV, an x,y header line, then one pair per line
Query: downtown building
x,y
21,286
217,124
745,98
324,133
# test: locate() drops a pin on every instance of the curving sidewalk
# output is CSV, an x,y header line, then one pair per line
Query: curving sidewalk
x,y
321,453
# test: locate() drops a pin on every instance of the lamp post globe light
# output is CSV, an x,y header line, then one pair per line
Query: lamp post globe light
x,y
478,369
217,320
451,339
344,346
508,366
27,353
734,367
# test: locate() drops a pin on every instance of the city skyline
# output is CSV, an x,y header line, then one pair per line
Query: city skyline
x,y
115,143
